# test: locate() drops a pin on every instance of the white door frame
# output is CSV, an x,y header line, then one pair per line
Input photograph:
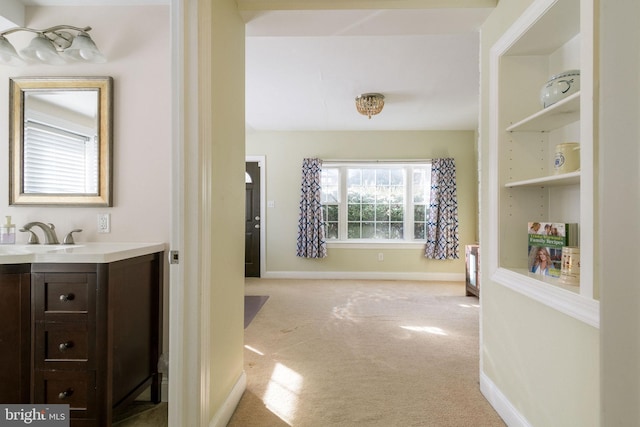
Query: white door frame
x,y
183,18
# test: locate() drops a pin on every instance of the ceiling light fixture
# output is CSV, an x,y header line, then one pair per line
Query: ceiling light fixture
x,y
370,104
55,46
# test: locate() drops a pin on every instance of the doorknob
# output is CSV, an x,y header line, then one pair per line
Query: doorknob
x,y
258,218
257,226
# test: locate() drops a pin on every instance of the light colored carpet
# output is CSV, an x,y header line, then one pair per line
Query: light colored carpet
x,y
362,353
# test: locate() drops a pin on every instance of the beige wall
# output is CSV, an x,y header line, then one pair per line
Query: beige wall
x,y
284,152
223,152
545,364
619,231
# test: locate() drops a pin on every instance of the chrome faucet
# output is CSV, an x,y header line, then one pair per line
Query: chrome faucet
x,y
50,237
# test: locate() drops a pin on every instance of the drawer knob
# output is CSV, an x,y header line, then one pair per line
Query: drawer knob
x,y
67,297
65,345
67,393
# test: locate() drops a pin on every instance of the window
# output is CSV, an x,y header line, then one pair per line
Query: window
x,y
375,201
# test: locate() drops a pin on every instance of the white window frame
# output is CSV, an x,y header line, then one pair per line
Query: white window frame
x,y
407,241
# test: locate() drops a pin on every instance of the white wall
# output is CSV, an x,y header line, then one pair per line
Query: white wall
x,y
136,43
284,152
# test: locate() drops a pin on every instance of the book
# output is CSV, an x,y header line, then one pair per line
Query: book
x,y
545,243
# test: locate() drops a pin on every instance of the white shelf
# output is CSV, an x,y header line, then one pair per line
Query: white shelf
x,y
571,178
563,298
560,114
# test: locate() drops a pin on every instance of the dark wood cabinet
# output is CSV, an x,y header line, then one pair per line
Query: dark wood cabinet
x,y
94,335
15,333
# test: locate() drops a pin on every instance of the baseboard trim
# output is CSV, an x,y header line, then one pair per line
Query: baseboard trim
x,y
222,417
364,275
501,404
164,389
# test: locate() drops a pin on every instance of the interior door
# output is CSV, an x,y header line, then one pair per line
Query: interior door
x,y
252,221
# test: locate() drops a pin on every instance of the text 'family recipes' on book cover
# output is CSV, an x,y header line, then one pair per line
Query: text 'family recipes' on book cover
x,y
545,243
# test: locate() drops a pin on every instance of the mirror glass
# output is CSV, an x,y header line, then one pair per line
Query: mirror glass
x,y
61,141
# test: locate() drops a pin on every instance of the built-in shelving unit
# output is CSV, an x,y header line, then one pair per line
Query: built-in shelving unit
x,y
550,37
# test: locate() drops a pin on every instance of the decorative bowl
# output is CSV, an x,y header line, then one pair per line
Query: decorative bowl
x,y
559,87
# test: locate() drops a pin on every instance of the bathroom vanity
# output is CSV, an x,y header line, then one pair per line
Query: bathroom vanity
x,y
81,325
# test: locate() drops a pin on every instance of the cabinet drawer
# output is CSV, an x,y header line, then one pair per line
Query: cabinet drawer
x,y
64,345
74,388
66,297
66,342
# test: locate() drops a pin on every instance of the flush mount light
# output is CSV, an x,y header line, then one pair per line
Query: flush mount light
x,y
56,46
369,104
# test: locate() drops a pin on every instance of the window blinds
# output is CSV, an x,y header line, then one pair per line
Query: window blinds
x,y
56,156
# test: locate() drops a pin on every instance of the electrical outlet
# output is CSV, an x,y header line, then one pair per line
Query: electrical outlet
x,y
104,223
380,256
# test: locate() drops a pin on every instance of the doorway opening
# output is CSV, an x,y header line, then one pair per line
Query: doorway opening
x,y
253,220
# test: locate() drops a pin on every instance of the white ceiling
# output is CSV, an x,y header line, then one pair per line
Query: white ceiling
x,y
304,68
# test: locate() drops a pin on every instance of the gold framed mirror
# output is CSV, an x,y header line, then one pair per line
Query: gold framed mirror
x,y
61,141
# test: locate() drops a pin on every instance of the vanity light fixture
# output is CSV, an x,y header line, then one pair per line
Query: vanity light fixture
x,y
56,46
369,104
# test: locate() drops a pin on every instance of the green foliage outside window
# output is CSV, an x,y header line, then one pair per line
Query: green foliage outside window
x,y
380,203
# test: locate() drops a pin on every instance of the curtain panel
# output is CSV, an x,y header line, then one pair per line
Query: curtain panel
x,y
442,225
311,239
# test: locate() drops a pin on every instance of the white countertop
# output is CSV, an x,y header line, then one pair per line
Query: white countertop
x,y
78,253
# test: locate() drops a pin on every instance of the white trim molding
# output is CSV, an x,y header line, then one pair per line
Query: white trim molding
x,y
501,404
164,389
222,417
365,275
565,301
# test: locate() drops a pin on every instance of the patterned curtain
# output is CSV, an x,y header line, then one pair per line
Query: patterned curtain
x,y
311,241
442,225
